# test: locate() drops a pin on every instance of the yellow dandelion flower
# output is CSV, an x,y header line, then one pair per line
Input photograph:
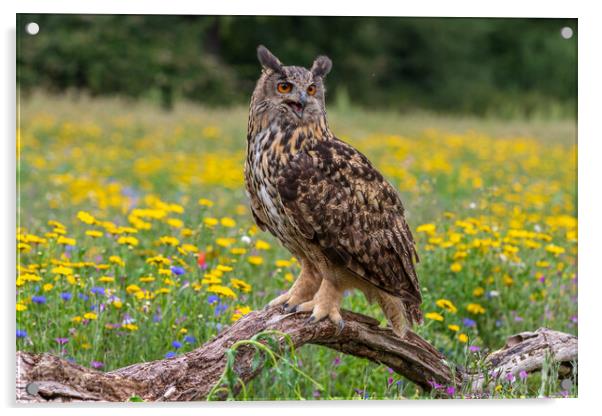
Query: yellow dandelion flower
x,y
554,249
94,233
210,222
255,260
447,305
228,222
434,316
47,287
85,217
132,289
147,279
241,284
463,338
106,279
162,290
165,272
238,250
475,309
289,277
508,281
159,260
426,228
478,292
453,327
262,245
128,240
222,291
283,263
56,224
62,270
117,304
188,248
130,327
169,241
117,260
66,241
455,267
240,312
21,307
90,316
543,264
24,247
223,268
224,242
175,222
183,331
205,202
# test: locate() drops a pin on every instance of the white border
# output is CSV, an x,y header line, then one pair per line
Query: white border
x,y
590,209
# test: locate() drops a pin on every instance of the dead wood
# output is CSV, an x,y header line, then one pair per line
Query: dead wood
x,y
191,376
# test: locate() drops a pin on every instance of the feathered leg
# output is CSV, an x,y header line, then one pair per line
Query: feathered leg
x,y
326,303
394,311
304,289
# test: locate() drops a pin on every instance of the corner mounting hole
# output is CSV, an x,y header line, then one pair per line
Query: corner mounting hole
x,y
32,28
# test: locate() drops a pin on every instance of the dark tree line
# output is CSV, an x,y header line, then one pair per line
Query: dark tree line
x,y
504,67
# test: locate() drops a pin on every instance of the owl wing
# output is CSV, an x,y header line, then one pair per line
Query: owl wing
x,y
338,200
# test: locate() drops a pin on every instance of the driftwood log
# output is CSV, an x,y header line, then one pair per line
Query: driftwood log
x,y
192,376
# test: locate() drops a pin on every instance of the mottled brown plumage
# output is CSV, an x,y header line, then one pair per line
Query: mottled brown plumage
x,y
325,201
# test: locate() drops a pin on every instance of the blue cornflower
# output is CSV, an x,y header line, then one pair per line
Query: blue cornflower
x,y
176,344
83,296
220,308
21,333
190,339
211,299
66,296
97,290
38,299
170,354
177,270
469,323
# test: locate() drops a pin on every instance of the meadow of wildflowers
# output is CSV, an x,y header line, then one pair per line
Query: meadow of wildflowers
x,y
135,241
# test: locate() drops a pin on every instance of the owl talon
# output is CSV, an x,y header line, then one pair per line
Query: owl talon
x,y
311,320
340,327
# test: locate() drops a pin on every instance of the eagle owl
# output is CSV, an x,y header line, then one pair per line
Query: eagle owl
x,y
325,201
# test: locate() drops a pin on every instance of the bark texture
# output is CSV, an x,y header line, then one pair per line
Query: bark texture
x,y
191,376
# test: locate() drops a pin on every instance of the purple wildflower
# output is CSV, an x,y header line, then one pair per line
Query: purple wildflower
x,y
390,381
474,348
97,290
176,344
523,374
38,299
435,385
62,341
336,361
451,390
178,271
21,333
97,364
469,323
190,339
510,377
66,296
211,299
170,354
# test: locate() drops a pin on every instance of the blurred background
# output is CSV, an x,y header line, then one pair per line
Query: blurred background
x,y
505,68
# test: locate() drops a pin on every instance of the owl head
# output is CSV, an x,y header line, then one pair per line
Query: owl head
x,y
291,93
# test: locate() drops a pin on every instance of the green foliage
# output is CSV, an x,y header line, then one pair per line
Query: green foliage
x,y
502,67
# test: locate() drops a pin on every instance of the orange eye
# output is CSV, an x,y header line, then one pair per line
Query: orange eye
x,y
284,87
311,90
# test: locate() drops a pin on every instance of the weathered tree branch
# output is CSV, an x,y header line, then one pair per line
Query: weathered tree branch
x,y
191,376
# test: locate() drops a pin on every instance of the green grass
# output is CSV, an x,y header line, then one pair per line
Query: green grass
x,y
492,205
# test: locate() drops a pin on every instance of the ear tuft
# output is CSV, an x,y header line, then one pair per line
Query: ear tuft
x,y
268,60
321,66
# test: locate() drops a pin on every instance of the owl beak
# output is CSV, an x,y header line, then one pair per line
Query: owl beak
x,y
298,106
